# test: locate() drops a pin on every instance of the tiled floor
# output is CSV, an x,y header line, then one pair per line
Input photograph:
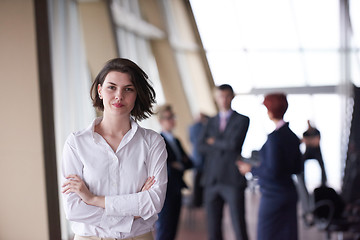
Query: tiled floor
x,y
193,223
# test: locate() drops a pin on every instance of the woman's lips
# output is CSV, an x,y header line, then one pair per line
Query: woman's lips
x,y
118,105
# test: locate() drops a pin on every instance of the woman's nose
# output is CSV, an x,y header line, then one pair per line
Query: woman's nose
x,y
118,95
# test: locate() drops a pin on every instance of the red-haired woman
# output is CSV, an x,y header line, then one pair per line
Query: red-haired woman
x,y
280,158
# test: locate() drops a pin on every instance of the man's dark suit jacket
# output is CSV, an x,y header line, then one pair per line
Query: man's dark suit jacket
x,y
220,158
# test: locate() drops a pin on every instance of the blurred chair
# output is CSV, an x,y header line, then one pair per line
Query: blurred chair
x,y
322,206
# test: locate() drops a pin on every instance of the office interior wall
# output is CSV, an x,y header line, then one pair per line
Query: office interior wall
x,y
23,204
98,34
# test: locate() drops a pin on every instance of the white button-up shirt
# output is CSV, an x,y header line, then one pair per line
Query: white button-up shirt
x,y
119,176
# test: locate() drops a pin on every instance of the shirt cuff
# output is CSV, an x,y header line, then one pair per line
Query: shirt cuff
x,y
124,205
119,224
145,207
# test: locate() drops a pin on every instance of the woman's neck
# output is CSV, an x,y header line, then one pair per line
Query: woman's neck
x,y
115,125
276,121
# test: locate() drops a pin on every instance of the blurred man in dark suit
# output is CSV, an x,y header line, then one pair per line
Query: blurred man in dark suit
x,y
221,142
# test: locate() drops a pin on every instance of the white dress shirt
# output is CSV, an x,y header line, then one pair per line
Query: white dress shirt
x,y
224,118
119,176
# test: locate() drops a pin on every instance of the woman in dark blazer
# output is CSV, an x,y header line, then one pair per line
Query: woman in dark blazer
x,y
177,162
280,158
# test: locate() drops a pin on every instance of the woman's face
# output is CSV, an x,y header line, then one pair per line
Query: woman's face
x,y
118,93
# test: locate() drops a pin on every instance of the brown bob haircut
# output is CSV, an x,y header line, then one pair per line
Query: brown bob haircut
x,y
277,104
145,97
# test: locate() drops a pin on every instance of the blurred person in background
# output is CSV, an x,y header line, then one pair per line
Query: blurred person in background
x,y
221,143
177,162
280,158
311,138
198,159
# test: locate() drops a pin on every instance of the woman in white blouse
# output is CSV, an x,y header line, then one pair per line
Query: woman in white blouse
x,y
114,172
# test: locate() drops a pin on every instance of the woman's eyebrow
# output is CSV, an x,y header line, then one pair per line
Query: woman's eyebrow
x,y
128,85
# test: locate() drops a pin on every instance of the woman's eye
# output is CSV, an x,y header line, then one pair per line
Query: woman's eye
x,y
129,89
111,87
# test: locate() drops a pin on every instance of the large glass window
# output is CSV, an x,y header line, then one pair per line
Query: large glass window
x,y
292,44
73,109
272,43
355,41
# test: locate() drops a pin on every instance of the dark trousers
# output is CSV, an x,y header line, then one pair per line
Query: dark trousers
x,y
198,192
166,225
214,198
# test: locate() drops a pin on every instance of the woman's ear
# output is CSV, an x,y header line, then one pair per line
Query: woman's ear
x,y
99,89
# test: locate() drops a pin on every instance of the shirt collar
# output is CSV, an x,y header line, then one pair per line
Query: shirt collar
x,y
128,136
168,135
226,114
280,124
91,128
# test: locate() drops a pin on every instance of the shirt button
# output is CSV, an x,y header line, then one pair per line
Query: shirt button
x,y
115,158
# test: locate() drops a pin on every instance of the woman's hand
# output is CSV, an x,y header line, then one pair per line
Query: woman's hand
x,y
243,167
76,185
148,184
